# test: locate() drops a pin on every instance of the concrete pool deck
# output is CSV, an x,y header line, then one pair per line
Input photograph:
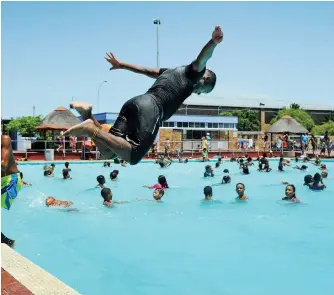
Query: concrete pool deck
x,y
20,276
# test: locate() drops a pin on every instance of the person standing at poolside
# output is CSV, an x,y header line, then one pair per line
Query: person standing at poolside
x,y
11,181
140,117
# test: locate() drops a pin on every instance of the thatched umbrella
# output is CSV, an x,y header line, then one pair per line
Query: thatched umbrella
x,y
60,119
287,124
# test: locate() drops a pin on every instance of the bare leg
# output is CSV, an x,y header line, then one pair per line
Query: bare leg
x,y
104,141
85,110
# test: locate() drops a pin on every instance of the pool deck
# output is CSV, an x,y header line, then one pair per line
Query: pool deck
x,y
19,276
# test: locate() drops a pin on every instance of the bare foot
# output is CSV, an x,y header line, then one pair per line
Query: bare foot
x,y
83,108
85,128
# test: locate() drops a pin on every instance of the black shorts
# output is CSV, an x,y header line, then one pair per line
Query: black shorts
x,y
138,122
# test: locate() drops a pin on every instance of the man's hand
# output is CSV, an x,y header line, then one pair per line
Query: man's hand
x,y
217,35
113,61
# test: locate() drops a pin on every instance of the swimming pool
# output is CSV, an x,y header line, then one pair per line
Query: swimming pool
x,y
182,246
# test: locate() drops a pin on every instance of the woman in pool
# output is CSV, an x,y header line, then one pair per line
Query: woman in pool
x,y
107,198
114,175
157,196
244,168
162,183
101,181
240,189
290,194
208,171
317,183
52,202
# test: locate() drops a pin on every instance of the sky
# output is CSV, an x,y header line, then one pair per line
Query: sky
x,y
53,52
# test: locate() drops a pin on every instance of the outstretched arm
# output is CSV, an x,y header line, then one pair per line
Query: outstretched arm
x,y
200,63
116,64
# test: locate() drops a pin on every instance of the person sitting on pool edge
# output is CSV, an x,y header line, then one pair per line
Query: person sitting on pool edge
x,y
101,181
107,198
290,194
240,189
52,202
157,196
162,183
140,118
208,193
205,155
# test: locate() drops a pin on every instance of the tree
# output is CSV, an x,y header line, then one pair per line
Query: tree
x,y
321,129
247,120
295,106
299,115
26,126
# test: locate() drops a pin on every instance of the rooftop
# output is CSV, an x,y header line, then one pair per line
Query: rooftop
x,y
202,100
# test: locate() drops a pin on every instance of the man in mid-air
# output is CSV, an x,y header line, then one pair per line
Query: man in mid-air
x,y
138,122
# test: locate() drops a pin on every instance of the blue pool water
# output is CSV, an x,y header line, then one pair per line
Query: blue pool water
x,y
182,246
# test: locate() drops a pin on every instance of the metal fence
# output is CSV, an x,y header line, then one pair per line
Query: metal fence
x,y
235,145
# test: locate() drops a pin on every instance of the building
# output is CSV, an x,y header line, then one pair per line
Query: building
x,y
186,131
267,109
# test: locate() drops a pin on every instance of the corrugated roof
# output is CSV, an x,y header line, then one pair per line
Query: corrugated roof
x,y
203,100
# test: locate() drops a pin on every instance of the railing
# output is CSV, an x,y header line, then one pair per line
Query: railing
x,y
236,145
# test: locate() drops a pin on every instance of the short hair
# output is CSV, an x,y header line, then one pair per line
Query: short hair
x,y
208,191
105,192
213,78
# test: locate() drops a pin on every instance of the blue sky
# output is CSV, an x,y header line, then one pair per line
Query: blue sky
x,y
52,51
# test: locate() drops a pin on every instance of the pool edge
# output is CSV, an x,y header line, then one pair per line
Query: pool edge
x,y
31,276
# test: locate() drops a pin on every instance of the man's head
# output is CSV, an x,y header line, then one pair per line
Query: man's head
x,y
206,84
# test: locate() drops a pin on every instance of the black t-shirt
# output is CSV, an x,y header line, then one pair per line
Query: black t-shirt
x,y
173,87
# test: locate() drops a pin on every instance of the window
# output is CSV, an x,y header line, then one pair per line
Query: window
x,y
191,124
209,125
185,124
197,124
179,124
167,124
215,125
189,134
197,134
202,125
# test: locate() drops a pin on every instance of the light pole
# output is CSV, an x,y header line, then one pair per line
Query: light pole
x,y
98,96
33,110
157,22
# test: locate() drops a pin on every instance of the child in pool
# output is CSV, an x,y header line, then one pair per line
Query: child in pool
x,y
290,194
157,196
114,175
317,183
208,171
52,202
66,174
302,168
101,181
107,198
162,183
208,193
240,189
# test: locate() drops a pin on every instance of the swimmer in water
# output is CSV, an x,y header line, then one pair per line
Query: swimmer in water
x,y
48,173
290,194
302,168
114,175
66,174
317,183
250,161
317,161
164,162
101,181
226,171
217,164
137,125
208,193
67,164
157,196
208,171
23,182
308,179
107,198
244,169
52,202
106,164
162,183
226,179
240,189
